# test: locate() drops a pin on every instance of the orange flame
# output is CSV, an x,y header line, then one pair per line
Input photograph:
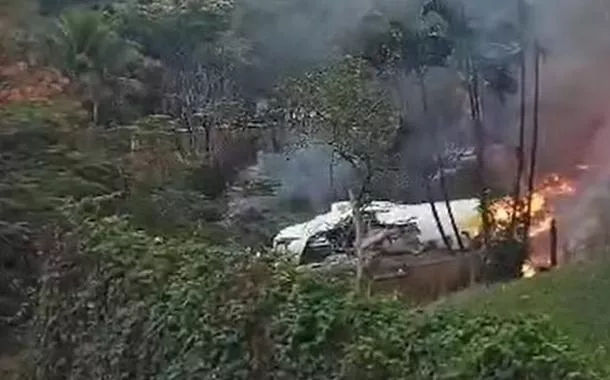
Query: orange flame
x,y
528,270
541,212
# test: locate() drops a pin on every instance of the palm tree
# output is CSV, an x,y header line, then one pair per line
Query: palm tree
x,y
522,13
395,47
421,75
447,39
475,66
455,32
89,50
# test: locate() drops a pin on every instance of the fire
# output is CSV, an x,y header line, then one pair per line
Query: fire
x,y
541,212
528,270
541,226
502,210
554,185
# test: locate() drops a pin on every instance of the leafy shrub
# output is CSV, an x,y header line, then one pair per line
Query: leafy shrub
x,y
452,345
39,165
172,211
42,161
505,259
119,303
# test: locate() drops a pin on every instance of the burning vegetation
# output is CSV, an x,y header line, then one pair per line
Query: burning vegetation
x,y
553,187
509,218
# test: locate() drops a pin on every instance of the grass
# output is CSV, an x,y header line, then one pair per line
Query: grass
x,y
575,298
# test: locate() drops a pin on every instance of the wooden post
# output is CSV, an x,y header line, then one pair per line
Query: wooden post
x,y
358,240
553,244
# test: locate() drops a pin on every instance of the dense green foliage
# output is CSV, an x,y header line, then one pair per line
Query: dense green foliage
x,y
40,164
573,298
42,160
49,157
121,303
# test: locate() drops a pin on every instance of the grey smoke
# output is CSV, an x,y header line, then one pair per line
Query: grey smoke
x,y
575,84
306,175
298,34
575,108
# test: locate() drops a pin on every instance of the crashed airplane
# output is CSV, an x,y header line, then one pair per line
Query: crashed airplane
x,y
409,229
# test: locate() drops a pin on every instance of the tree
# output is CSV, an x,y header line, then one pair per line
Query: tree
x,y
346,108
397,48
16,19
534,147
87,47
202,98
201,57
178,32
482,58
523,21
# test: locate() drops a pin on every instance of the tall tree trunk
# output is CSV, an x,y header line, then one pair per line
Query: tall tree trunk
x,y
520,153
520,148
425,108
534,147
94,88
207,136
331,168
475,111
454,226
366,182
437,218
358,249
331,174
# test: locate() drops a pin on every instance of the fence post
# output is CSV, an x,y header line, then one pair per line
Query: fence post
x,y
553,235
357,220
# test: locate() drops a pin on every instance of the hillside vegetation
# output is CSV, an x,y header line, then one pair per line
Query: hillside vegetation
x,y
132,245
119,297
124,304
573,299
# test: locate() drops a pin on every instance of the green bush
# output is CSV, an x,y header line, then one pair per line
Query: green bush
x,y
171,211
42,161
119,303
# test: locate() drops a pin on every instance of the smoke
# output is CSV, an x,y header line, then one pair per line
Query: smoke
x,y
295,35
309,174
574,81
575,112
291,36
311,30
575,87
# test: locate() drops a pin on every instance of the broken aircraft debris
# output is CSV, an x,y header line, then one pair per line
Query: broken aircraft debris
x,y
395,228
